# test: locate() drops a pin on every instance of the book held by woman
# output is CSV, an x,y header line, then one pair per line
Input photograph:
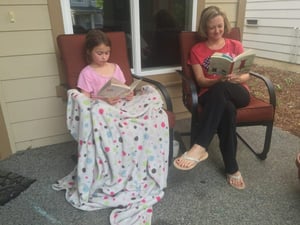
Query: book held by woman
x,y
223,64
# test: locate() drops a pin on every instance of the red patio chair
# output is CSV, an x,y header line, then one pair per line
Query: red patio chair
x,y
258,112
73,57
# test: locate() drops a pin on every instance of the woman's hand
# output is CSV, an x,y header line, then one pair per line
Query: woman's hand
x,y
236,79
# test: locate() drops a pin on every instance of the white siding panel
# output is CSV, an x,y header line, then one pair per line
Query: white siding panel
x,y
284,40
274,22
287,49
43,142
267,5
30,17
27,110
36,129
292,14
28,66
278,56
25,43
25,89
277,33
284,31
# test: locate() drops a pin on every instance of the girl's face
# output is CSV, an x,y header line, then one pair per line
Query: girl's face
x,y
215,28
100,54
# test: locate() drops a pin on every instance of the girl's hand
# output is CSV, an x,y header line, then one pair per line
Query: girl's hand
x,y
129,96
111,101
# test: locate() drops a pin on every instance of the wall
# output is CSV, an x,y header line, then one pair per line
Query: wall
x,y
33,115
272,29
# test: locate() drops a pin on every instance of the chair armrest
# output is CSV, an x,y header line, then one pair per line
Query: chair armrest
x,y
269,85
161,88
191,95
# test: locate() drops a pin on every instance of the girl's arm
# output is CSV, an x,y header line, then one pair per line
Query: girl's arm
x,y
87,94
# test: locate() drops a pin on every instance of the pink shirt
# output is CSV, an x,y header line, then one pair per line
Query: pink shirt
x,y
92,82
200,54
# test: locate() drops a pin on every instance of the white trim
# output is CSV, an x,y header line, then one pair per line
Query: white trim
x,y
156,71
136,39
67,18
135,34
194,14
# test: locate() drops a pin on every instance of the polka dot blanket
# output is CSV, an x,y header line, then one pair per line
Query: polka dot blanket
x,y
122,155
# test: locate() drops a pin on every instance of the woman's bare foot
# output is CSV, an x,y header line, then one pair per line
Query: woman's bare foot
x,y
236,180
191,158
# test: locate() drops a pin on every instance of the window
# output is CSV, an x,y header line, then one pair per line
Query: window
x,y
151,27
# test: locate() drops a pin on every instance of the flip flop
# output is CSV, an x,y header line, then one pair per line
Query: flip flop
x,y
185,157
237,178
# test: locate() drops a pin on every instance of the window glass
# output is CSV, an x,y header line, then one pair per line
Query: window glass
x,y
160,23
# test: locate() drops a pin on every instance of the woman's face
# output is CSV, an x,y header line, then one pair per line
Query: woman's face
x,y
100,54
215,28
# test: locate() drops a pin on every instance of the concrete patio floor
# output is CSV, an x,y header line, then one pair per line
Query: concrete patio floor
x,y
200,196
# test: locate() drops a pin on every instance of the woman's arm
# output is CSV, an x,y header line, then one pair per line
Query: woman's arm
x,y
202,81
238,79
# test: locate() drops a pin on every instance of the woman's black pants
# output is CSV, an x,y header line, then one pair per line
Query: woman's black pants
x,y
219,116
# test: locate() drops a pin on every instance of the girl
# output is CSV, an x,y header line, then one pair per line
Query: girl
x,y
93,77
123,144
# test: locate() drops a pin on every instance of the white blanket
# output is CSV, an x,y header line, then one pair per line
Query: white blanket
x,y
122,155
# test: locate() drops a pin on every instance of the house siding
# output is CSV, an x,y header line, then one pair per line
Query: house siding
x,y
276,35
33,114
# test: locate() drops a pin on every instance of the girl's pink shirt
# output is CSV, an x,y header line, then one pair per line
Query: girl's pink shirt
x,y
200,54
92,82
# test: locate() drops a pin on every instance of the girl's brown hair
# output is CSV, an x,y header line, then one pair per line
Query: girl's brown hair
x,y
94,38
208,14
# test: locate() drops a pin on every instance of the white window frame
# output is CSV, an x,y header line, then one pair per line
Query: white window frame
x,y
135,29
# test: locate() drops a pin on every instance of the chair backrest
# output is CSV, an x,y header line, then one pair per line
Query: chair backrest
x,y
73,55
188,39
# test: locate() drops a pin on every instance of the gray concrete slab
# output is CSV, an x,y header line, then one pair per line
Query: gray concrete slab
x,y
200,196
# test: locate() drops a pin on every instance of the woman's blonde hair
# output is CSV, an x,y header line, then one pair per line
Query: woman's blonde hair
x,y
208,14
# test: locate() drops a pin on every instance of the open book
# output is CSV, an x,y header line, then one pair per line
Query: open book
x,y
115,88
223,64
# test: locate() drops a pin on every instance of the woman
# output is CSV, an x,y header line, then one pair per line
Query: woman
x,y
219,97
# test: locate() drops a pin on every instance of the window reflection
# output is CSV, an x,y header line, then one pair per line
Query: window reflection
x,y
160,23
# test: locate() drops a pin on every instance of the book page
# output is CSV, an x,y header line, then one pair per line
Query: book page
x,y
220,64
243,62
113,88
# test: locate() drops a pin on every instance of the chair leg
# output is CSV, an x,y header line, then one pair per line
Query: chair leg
x,y
171,138
267,142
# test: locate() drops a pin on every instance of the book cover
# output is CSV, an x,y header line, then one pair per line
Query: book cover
x,y
223,64
115,88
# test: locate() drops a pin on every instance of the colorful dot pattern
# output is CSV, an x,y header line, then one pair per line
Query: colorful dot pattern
x,y
122,155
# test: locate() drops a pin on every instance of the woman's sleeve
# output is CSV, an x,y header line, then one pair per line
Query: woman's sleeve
x,y
239,48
